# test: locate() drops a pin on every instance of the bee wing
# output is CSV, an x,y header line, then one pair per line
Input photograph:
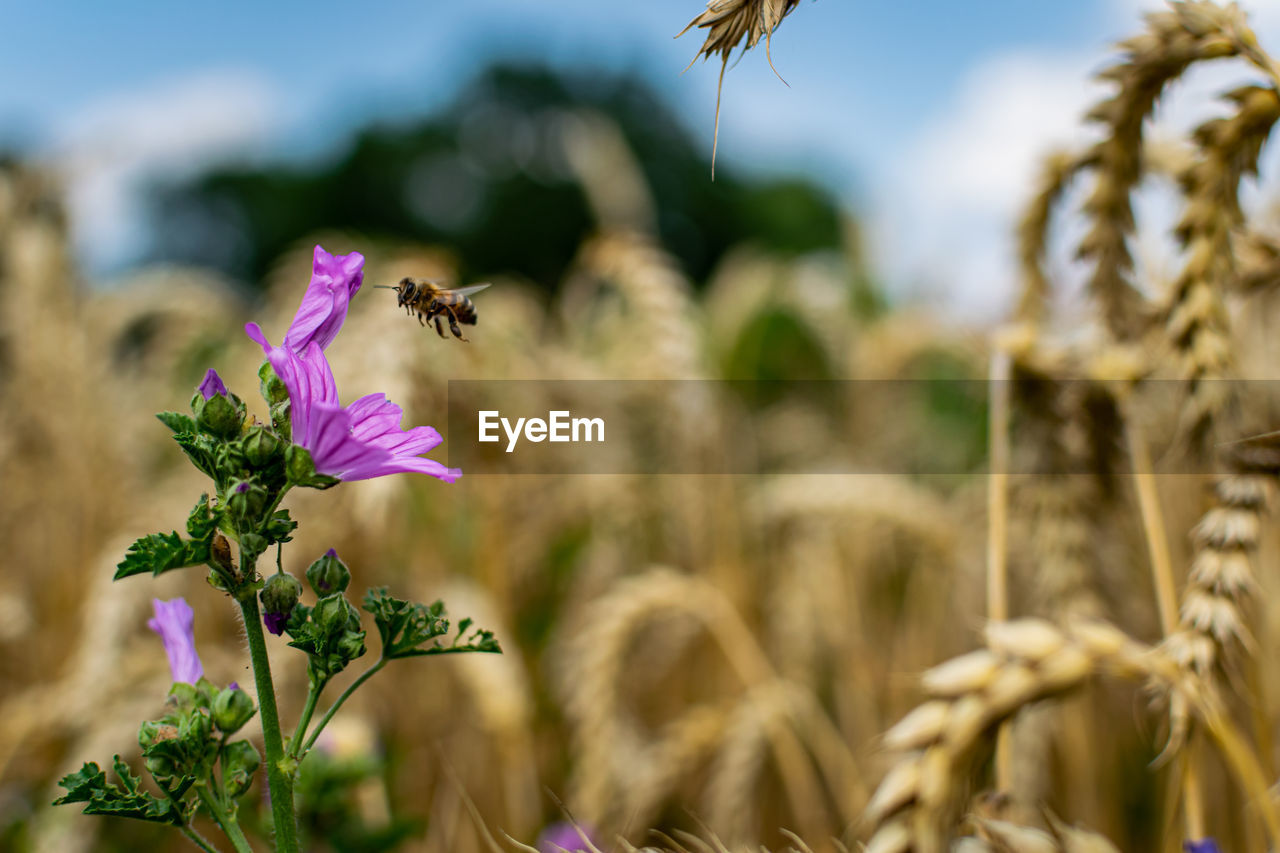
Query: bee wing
x,y
467,291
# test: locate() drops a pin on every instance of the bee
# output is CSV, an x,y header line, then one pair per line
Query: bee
x,y
431,301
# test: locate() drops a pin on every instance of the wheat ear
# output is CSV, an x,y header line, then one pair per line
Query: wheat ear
x,y
1024,661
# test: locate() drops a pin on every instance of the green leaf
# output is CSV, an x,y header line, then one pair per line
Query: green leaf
x,y
280,526
200,449
162,552
177,421
89,785
405,626
202,523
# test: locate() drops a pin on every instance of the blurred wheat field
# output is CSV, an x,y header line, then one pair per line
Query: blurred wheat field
x,y
725,662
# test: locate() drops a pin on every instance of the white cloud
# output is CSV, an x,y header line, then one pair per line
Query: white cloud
x,y
947,208
109,150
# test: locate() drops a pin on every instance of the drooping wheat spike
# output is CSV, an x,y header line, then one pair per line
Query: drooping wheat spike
x,y
1196,320
609,745
728,23
1033,231
915,807
1175,39
1213,623
1002,836
1057,173
1257,267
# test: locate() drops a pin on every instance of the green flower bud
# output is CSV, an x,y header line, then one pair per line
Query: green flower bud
x,y
232,708
279,597
153,732
331,615
272,387
161,766
351,646
219,416
246,500
261,447
240,760
328,574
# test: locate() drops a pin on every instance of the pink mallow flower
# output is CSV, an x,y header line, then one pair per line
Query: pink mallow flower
x,y
175,623
355,442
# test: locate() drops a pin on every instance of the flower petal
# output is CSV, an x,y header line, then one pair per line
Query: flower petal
x,y
334,280
212,385
174,621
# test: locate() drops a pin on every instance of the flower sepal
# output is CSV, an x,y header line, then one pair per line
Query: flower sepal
x,y
221,416
330,635
279,596
300,468
240,760
232,708
328,574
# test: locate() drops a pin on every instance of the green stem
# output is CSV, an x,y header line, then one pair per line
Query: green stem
x,y
279,781
305,720
333,709
199,840
225,820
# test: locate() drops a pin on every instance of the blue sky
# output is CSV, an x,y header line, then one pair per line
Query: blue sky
x,y
925,116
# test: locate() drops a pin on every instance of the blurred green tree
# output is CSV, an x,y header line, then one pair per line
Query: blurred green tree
x,y
487,176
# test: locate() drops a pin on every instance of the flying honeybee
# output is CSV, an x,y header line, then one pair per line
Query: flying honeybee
x,y
431,301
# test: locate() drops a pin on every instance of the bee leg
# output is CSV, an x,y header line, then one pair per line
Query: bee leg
x,y
453,326
439,328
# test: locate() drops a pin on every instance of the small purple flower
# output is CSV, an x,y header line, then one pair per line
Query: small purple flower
x,y
565,836
360,441
275,622
212,385
1204,845
175,623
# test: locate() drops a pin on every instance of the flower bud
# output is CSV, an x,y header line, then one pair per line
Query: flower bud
x,y
272,388
261,447
279,596
331,615
232,708
351,646
219,416
240,760
246,500
328,574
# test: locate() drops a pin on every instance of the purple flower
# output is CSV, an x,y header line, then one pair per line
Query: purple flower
x,y
212,385
175,623
275,622
362,440
334,280
1204,845
564,836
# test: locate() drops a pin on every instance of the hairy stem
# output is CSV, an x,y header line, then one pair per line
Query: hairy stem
x,y
333,709
279,781
199,840
225,820
305,720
